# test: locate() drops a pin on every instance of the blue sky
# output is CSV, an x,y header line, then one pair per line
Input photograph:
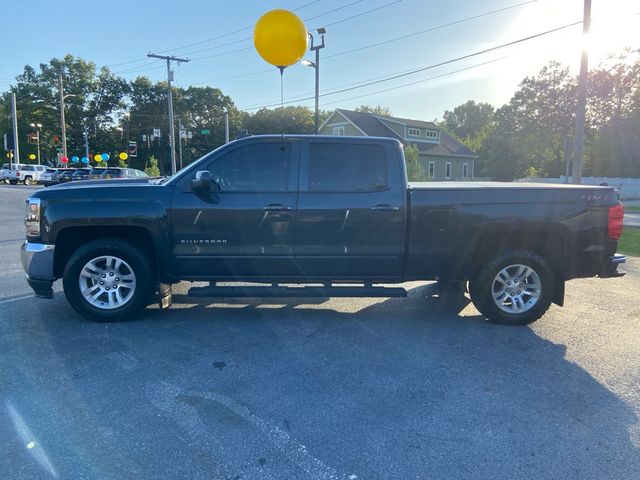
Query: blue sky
x,y
119,34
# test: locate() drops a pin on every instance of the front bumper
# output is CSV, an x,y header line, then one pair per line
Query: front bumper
x,y
37,261
610,266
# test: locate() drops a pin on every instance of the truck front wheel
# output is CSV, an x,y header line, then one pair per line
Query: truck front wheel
x,y
109,280
514,288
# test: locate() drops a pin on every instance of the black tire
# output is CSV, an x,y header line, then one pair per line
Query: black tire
x,y
28,180
135,260
13,182
483,285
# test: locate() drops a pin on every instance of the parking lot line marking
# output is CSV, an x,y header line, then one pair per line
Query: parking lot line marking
x,y
14,299
293,450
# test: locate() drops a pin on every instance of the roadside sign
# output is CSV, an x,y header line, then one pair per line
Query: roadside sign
x,y
133,149
205,131
156,133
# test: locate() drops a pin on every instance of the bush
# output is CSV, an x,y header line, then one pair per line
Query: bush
x,y
152,170
415,172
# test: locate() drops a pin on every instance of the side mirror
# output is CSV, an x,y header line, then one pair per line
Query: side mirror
x,y
204,182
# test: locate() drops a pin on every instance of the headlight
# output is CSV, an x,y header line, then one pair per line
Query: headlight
x,y
32,218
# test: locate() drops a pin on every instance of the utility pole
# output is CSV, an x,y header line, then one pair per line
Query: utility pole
x,y
582,97
85,133
38,128
180,140
14,118
226,126
62,122
172,132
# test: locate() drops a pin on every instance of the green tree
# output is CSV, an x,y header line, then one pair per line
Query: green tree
x,y
472,123
293,119
152,170
375,110
469,120
415,171
94,96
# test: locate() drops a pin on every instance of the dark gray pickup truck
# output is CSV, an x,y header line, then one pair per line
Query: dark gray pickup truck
x,y
316,216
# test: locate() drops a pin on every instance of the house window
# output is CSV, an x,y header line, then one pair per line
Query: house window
x,y
432,169
465,170
447,170
432,134
414,132
338,131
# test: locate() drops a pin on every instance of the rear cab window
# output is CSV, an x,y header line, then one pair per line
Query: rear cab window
x,y
343,167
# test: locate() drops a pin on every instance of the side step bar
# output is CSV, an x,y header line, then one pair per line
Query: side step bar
x,y
279,291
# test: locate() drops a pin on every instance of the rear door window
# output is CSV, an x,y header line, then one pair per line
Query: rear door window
x,y
341,167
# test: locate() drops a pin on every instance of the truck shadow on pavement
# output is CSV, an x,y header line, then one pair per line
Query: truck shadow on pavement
x,y
401,388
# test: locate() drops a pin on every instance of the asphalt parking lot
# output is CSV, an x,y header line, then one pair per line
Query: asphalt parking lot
x,y
416,388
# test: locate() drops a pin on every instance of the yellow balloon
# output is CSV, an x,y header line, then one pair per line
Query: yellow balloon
x,y
97,158
280,38
123,156
32,156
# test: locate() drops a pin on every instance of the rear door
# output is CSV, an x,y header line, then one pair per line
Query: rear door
x,y
246,230
351,210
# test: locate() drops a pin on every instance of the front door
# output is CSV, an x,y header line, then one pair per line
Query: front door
x,y
245,230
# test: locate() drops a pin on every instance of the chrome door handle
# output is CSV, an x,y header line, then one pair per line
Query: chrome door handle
x,y
277,208
385,208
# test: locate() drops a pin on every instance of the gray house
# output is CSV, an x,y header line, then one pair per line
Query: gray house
x,y
441,155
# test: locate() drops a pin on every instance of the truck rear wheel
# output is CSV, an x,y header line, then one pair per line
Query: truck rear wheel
x,y
28,180
109,280
514,288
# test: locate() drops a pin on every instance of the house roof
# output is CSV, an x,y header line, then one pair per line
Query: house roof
x,y
409,122
369,124
373,126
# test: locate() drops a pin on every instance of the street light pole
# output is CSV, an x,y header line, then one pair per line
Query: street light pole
x,y
316,66
14,120
62,122
180,140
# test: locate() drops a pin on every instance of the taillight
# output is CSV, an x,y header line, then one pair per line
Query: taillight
x,y
17,174
616,217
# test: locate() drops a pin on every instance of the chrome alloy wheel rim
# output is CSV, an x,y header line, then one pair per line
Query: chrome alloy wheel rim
x,y
516,289
107,282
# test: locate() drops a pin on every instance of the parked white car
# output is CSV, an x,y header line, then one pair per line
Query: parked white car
x,y
27,174
50,176
4,174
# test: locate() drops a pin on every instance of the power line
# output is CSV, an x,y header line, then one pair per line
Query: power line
x,y
430,29
243,29
404,85
235,42
141,68
138,60
440,64
362,13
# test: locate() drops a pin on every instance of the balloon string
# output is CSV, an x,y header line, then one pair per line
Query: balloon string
x,y
282,102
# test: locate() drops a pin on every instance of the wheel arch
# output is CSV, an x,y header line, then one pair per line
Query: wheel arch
x,y
70,239
549,241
